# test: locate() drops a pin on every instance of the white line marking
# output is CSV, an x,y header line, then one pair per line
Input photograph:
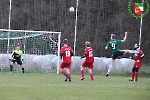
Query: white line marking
x,y
97,85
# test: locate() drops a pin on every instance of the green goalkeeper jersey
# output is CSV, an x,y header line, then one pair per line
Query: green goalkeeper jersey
x,y
114,44
17,54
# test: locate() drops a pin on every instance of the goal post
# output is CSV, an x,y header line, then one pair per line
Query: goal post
x,y
35,43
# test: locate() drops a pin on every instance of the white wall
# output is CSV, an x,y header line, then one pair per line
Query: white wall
x,y
47,62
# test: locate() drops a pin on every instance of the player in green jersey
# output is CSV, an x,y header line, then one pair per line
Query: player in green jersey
x,y
116,52
16,56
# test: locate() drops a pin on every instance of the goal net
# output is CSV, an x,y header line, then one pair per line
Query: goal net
x,y
39,48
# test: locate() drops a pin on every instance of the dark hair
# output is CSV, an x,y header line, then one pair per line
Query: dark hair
x,y
18,45
137,44
65,41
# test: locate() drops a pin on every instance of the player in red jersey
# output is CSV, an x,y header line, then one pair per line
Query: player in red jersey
x,y
88,61
66,53
138,57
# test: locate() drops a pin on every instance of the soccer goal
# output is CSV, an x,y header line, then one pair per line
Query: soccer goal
x,y
39,48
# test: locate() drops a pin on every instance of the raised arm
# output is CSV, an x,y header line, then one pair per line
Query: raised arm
x,y
111,36
125,36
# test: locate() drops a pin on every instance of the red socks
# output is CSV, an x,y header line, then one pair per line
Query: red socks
x,y
91,75
69,75
82,73
133,74
136,76
63,72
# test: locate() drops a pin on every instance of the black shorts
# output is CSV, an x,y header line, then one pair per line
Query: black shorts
x,y
19,61
135,69
117,54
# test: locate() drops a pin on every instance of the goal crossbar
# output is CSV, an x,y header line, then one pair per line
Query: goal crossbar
x,y
8,30
27,36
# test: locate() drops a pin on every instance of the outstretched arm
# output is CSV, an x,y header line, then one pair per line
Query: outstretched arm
x,y
137,51
125,36
83,56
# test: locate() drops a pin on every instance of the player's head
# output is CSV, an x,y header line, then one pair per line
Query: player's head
x,y
18,47
113,36
65,41
136,45
87,43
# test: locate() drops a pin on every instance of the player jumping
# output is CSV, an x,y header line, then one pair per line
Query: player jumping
x,y
16,56
138,57
116,52
66,53
88,53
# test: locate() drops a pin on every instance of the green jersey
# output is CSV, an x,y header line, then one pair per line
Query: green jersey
x,y
17,54
114,44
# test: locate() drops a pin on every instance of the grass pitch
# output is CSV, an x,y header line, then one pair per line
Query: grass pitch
x,y
45,86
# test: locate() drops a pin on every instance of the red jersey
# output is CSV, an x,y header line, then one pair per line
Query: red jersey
x,y
139,55
66,53
89,54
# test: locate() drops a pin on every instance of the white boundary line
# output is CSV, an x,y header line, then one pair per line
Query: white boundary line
x,y
96,85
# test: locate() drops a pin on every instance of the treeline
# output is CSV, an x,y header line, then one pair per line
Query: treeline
x,y
97,19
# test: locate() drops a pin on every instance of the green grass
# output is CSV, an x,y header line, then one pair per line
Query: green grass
x,y
45,86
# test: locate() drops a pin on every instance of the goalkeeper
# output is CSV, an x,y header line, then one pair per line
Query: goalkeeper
x,y
16,56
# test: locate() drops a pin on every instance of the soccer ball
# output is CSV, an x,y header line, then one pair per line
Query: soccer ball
x,y
71,9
